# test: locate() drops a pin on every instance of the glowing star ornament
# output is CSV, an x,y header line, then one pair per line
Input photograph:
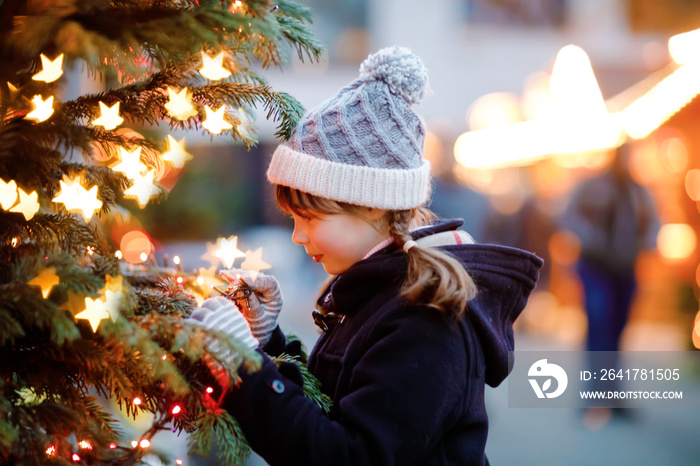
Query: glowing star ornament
x,y
143,188
130,163
43,109
215,122
94,312
113,295
46,280
177,155
210,255
28,204
208,278
51,70
228,251
109,117
180,104
75,303
253,263
8,193
78,199
212,68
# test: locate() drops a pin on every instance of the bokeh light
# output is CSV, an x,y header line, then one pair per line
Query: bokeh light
x,y
135,243
676,241
493,110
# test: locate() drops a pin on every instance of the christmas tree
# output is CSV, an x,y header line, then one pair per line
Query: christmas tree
x,y
77,327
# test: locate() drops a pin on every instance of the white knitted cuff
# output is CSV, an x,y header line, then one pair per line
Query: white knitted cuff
x,y
381,188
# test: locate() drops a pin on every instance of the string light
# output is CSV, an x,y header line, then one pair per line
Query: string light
x,y
228,251
212,68
180,280
85,445
46,279
253,262
90,250
76,198
143,256
8,193
51,69
15,242
176,409
51,450
145,443
109,117
28,204
176,260
180,104
177,155
43,109
134,443
210,390
143,188
75,457
178,461
130,163
118,254
94,312
136,401
112,446
215,122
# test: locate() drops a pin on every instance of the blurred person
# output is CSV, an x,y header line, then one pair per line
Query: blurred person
x,y
416,319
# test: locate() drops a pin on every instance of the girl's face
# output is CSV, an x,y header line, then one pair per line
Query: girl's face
x,y
337,241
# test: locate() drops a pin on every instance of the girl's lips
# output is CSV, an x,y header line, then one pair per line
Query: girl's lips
x,y
317,258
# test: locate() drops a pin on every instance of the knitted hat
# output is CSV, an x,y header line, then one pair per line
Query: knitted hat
x,y
365,145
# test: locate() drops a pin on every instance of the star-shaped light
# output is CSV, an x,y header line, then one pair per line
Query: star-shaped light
x,y
78,199
113,295
227,250
246,126
51,70
208,277
253,263
130,163
143,188
210,255
28,204
109,117
46,280
94,312
43,109
213,68
177,155
8,193
75,303
180,104
215,122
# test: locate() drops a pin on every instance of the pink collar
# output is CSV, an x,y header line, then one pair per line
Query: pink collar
x,y
379,247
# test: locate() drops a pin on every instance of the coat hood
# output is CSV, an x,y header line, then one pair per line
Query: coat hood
x,y
504,277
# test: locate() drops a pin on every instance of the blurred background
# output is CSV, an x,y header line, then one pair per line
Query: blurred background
x,y
530,98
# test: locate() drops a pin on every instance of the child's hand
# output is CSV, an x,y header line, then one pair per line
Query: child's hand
x,y
261,309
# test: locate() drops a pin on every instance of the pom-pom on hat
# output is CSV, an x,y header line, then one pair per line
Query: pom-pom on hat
x,y
363,146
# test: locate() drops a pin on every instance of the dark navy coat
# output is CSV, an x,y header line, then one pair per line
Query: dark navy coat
x,y
407,382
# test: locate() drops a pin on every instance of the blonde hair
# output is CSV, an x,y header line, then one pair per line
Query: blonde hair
x,y
434,277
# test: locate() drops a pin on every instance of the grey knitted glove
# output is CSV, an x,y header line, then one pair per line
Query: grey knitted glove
x,y
222,315
261,309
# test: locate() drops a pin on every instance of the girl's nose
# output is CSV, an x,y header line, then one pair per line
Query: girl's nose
x,y
299,236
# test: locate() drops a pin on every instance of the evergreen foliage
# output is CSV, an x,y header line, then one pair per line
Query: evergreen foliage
x,y
59,374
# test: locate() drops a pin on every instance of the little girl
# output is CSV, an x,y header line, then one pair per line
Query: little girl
x,y
417,318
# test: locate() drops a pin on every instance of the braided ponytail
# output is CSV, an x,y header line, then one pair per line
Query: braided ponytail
x,y
434,277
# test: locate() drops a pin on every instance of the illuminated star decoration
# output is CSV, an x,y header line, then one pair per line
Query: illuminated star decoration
x,y
46,279
74,304
215,122
180,104
113,295
253,263
130,163
43,109
28,204
210,255
51,71
94,312
109,118
8,193
78,199
143,188
228,251
245,127
212,68
177,155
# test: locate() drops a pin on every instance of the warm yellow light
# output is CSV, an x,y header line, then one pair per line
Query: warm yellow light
x,y
145,443
94,312
199,281
118,254
574,85
176,260
143,188
495,109
46,280
129,163
113,294
228,251
180,104
85,445
650,111
134,443
684,47
135,243
209,277
253,263
692,184
676,240
43,109
675,154
51,70
696,331
109,118
213,68
215,122
8,193
143,256
78,199
28,204
177,155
